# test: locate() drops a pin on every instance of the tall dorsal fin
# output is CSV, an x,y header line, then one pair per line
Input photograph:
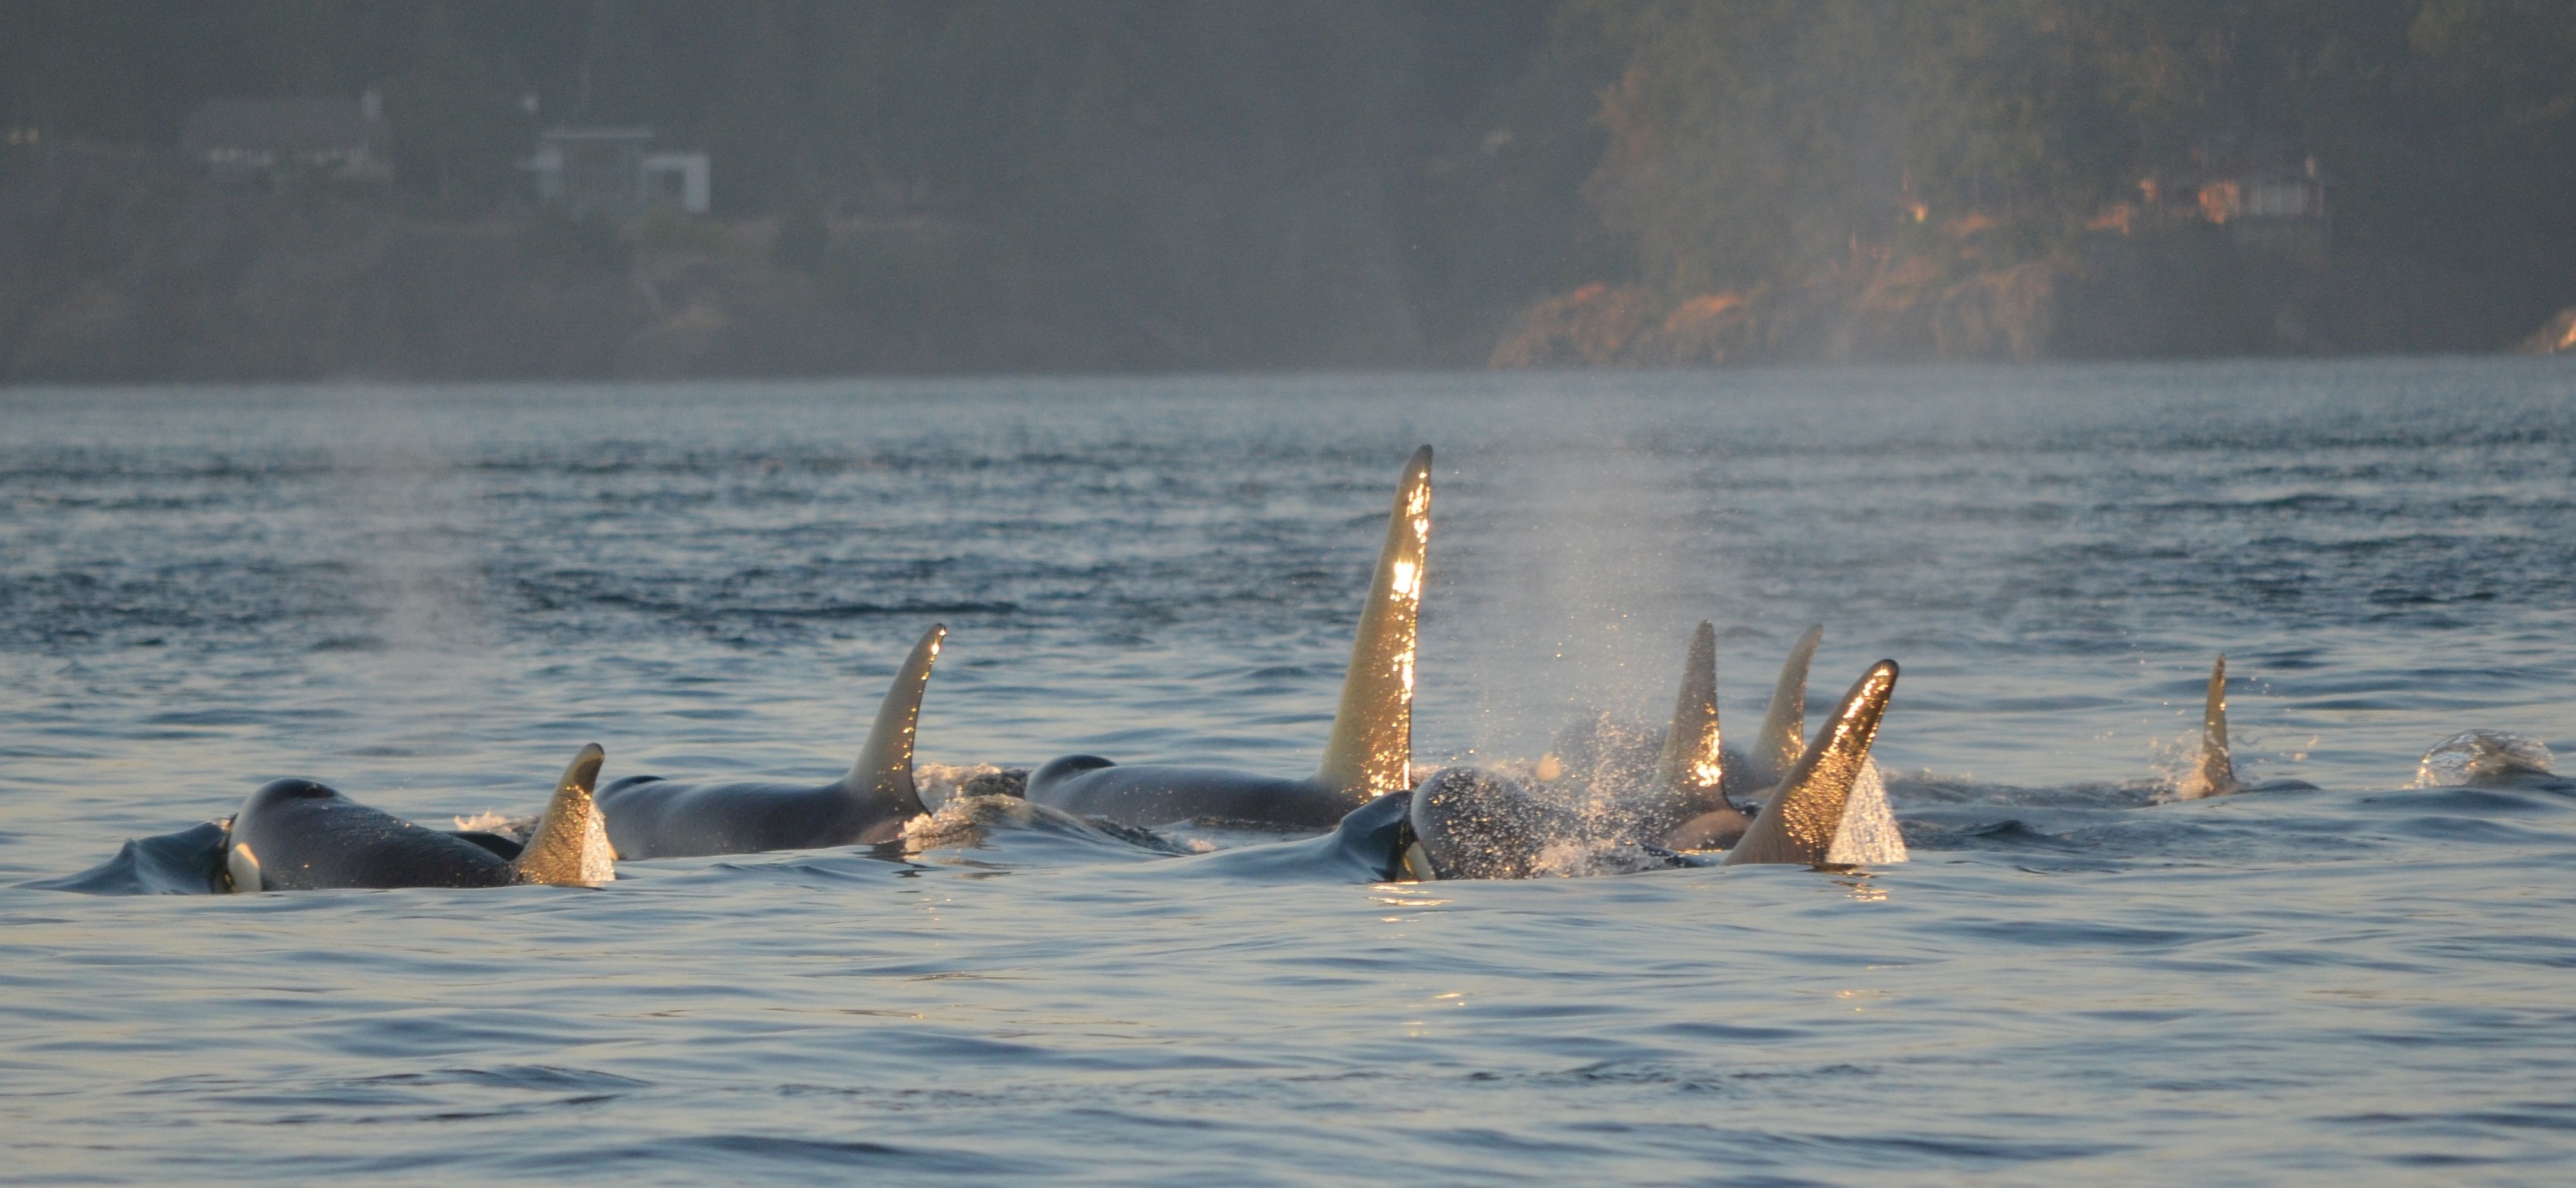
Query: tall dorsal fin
x,y
569,846
1690,769
2216,775
884,767
1784,725
1371,750
1800,822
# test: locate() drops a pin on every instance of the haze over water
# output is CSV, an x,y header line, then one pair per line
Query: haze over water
x,y
429,598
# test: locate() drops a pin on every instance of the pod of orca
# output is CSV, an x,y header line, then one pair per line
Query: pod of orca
x,y
1790,798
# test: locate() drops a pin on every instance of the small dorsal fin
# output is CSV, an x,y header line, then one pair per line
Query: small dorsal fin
x,y
569,846
1690,769
2216,775
1803,816
884,767
1371,749
1784,724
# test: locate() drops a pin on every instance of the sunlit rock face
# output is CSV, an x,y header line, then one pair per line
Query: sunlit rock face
x,y
2477,757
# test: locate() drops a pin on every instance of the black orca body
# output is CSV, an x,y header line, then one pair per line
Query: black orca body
x,y
1090,786
297,835
1368,755
651,817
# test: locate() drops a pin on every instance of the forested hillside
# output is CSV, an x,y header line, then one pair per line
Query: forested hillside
x,y
905,185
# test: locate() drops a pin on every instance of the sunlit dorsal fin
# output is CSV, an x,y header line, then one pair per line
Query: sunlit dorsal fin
x,y
1689,771
1805,813
569,846
1371,750
1784,724
884,767
2216,774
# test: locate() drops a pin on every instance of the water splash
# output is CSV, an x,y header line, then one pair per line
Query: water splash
x,y
2478,757
939,783
1868,835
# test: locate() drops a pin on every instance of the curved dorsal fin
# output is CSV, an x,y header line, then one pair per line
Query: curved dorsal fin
x,y
1690,769
1371,749
1784,724
569,846
2216,775
1799,823
884,767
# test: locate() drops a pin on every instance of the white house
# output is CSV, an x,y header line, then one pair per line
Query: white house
x,y
613,171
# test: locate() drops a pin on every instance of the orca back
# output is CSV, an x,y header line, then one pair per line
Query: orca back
x,y
1156,794
1366,846
650,817
297,835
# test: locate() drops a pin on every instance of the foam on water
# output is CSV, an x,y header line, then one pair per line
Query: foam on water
x,y
427,597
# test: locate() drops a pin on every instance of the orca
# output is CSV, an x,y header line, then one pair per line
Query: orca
x,y
298,835
1805,814
651,817
1689,802
1369,753
1784,725
1493,826
1613,756
1868,832
1467,823
2213,773
1368,845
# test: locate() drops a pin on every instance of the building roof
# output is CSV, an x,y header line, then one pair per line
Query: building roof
x,y
282,125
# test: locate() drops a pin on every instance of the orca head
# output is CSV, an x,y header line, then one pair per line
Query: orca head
x,y
241,861
277,794
1469,823
1066,767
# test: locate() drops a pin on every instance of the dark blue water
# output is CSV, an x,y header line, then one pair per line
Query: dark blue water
x,y
430,598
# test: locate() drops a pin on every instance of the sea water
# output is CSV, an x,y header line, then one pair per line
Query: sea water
x,y
430,597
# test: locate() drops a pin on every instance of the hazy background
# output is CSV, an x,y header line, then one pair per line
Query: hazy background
x,y
1120,185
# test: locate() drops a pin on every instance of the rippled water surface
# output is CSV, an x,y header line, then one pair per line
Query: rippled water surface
x,y
430,598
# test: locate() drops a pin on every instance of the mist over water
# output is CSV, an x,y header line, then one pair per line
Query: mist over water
x,y
429,598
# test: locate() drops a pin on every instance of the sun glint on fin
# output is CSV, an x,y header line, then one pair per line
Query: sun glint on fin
x,y
1371,750
1690,777
884,767
1784,726
1805,814
569,846
2216,774
1691,768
